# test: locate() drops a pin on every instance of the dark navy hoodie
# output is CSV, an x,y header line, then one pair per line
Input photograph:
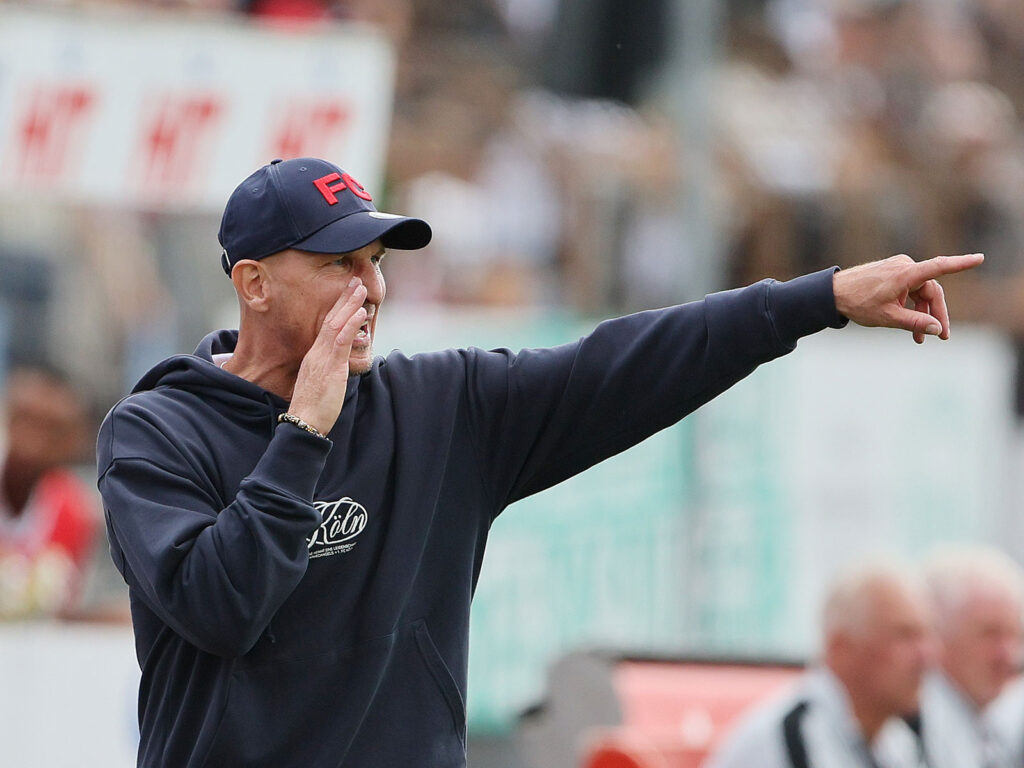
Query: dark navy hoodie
x,y
305,602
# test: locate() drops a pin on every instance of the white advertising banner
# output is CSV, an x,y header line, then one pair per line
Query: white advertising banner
x,y
68,696
171,112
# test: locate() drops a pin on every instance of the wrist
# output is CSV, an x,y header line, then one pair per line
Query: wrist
x,y
291,418
839,293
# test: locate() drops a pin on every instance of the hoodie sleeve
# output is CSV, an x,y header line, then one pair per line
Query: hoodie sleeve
x,y
214,575
548,414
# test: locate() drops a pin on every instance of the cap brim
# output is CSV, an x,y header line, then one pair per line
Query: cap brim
x,y
362,228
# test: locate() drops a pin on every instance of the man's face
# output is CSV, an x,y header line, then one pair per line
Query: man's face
x,y
309,284
981,646
45,423
893,650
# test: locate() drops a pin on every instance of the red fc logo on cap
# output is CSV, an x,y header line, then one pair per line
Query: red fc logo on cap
x,y
328,188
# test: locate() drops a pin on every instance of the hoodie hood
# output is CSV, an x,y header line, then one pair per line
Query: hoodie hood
x,y
198,374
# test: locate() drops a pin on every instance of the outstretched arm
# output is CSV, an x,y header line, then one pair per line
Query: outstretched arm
x,y
877,294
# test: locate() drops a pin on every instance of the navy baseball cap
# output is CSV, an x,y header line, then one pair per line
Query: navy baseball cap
x,y
310,205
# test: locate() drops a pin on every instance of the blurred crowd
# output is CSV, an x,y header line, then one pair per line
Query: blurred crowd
x,y
857,128
841,131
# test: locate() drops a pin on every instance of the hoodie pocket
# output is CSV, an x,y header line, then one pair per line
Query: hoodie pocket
x,y
388,701
417,717
300,712
442,676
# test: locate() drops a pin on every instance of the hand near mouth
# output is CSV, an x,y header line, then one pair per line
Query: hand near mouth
x,y
323,375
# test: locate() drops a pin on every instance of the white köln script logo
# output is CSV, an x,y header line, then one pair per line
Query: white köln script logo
x,y
341,522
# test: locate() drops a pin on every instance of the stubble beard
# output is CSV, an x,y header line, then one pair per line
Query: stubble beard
x,y
364,363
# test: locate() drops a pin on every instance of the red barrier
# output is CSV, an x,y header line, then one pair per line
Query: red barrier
x,y
675,713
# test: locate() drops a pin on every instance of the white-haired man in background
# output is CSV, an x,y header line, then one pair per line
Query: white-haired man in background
x,y
976,596
847,712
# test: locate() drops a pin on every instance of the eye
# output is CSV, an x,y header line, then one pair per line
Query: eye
x,y
344,261
376,260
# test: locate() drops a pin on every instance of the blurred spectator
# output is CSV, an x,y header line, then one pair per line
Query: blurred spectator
x,y
847,711
1000,24
855,127
973,167
478,169
48,520
977,596
779,145
847,134
972,158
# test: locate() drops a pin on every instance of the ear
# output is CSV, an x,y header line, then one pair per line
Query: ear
x,y
252,284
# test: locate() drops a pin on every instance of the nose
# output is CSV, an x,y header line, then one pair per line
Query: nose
x,y
374,282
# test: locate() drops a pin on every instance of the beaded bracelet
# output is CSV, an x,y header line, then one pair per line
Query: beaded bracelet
x,y
292,419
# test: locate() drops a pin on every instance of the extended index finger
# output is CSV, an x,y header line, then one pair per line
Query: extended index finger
x,y
944,265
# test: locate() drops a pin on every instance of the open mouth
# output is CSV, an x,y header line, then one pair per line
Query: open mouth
x,y
363,335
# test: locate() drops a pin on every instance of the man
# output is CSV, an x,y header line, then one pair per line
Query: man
x,y
847,712
976,596
302,525
48,519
